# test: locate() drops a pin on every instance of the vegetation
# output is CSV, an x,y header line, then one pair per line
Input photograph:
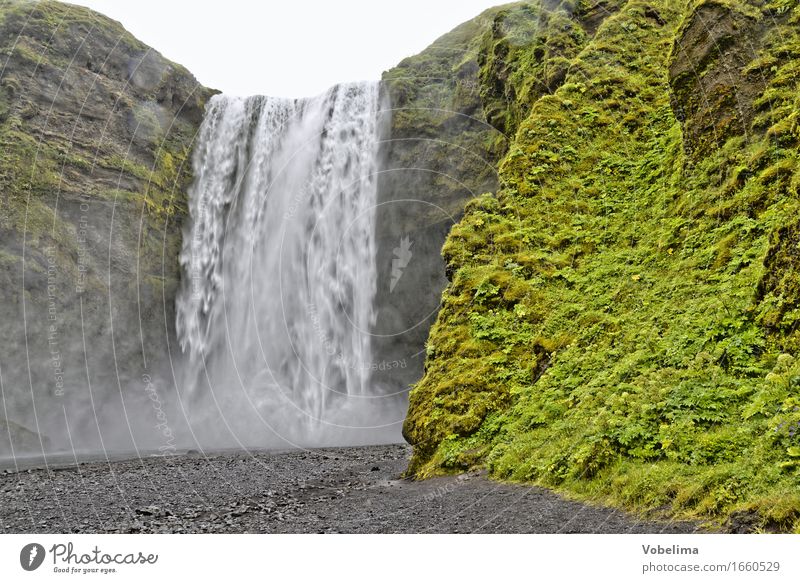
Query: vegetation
x,y
622,318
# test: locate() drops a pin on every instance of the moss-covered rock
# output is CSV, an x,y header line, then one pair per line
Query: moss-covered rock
x,y
712,96
440,153
621,317
455,108
527,53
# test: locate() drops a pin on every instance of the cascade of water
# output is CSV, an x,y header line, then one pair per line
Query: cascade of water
x,y
279,273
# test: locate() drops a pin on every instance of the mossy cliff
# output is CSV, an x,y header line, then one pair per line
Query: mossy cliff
x,y
622,319
95,133
439,153
454,110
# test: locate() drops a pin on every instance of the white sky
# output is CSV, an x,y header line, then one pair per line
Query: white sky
x,y
287,48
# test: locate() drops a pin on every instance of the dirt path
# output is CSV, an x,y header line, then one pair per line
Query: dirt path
x,y
334,490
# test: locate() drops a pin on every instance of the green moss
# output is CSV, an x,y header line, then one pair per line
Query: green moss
x,y
618,311
43,159
50,15
26,165
527,53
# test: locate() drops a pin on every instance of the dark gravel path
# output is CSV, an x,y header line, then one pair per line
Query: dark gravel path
x,y
333,490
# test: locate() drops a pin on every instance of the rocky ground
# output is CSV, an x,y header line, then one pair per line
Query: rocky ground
x,y
353,490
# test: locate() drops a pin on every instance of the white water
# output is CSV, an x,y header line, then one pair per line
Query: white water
x,y
279,273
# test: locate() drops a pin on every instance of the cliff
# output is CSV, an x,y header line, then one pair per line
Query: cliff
x,y
454,110
440,152
621,315
95,134
614,189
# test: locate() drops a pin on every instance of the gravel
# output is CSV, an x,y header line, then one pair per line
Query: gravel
x,y
347,490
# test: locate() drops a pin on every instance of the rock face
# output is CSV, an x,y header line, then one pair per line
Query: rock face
x,y
713,89
622,313
455,108
440,154
95,133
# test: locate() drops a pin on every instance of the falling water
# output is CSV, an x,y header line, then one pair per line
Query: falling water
x,y
279,272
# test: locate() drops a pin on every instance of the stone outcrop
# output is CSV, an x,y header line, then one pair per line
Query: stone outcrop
x,y
96,130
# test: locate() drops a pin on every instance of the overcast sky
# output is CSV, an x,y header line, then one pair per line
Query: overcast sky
x,y
287,48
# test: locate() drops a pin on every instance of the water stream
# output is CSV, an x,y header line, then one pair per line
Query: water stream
x,y
279,274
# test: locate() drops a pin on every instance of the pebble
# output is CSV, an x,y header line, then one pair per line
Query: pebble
x,y
265,492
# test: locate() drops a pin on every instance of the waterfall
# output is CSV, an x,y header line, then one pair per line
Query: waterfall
x,y
279,274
